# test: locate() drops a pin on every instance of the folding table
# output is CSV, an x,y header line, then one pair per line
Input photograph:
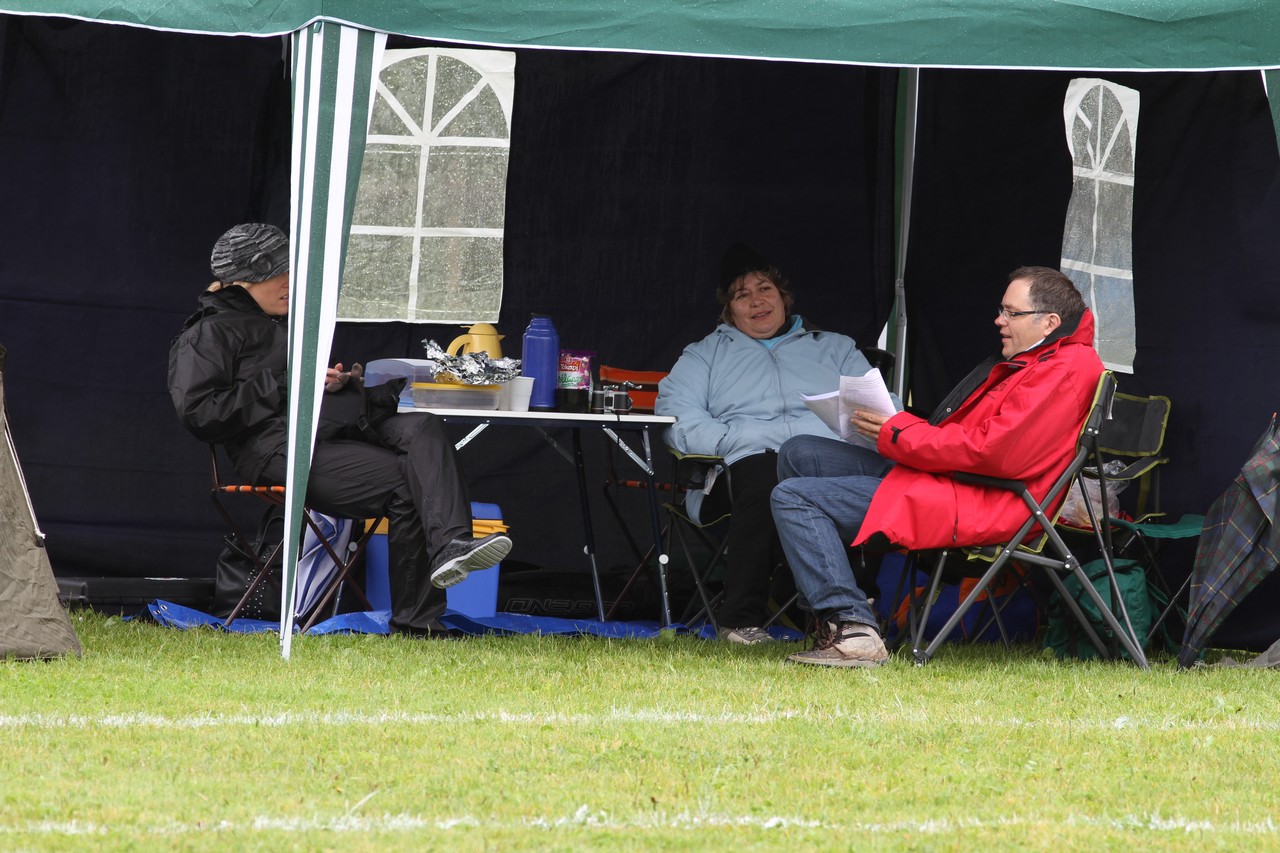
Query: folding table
x,y
615,426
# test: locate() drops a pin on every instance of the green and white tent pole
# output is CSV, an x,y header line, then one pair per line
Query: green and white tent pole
x,y
333,84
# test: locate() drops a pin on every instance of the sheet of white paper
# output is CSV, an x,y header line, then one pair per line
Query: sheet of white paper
x,y
866,393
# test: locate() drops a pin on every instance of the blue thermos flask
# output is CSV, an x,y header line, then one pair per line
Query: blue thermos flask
x,y
541,360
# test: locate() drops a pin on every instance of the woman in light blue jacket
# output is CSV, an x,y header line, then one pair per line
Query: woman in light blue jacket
x,y
736,395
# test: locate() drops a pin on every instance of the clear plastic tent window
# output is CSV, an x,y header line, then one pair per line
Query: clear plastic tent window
x,y
1097,243
426,236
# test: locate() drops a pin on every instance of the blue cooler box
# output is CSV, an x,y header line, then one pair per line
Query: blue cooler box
x,y
475,596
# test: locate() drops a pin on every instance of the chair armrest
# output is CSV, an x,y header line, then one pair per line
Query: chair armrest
x,y
1185,527
703,458
690,470
1016,486
1130,472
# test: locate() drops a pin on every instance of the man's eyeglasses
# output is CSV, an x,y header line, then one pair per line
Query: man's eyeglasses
x,y
1010,315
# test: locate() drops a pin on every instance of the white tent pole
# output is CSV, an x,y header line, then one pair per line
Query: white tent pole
x,y
911,109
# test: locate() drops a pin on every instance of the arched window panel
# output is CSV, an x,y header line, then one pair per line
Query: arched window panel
x,y
426,237
1101,122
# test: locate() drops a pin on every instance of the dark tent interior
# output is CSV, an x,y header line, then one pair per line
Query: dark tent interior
x,y
124,153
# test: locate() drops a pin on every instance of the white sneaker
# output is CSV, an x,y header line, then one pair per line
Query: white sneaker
x,y
745,636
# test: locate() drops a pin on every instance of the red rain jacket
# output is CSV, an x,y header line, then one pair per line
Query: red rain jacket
x,y
1022,423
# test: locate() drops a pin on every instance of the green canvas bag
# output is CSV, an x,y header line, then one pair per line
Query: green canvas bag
x,y
1068,639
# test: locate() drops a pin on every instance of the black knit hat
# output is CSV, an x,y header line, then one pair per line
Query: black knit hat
x,y
740,259
250,253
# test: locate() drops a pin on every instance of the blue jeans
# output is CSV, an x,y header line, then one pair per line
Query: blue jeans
x,y
825,489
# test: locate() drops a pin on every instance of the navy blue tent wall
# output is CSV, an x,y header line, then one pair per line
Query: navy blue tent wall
x,y
124,153
131,151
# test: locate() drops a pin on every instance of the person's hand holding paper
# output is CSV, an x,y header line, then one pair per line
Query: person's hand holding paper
x,y
868,424
867,394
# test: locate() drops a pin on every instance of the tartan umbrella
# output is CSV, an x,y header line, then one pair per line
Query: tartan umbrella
x,y
1239,546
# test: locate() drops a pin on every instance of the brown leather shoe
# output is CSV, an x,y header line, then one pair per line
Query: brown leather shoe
x,y
848,644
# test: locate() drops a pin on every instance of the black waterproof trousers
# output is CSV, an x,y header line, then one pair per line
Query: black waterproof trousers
x,y
753,549
416,480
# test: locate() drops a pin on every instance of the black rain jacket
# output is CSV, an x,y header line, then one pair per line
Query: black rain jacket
x,y
228,381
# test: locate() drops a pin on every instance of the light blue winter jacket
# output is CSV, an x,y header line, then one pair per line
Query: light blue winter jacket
x,y
732,396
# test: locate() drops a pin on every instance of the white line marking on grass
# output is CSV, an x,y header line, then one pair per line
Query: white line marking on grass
x,y
642,716
382,718
584,817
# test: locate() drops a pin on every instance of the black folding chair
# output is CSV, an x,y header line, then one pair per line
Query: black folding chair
x,y
274,496
689,531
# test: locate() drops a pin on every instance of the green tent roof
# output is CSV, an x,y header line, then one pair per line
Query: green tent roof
x,y
1085,34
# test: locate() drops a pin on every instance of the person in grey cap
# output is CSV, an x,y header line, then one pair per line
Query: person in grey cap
x,y
228,383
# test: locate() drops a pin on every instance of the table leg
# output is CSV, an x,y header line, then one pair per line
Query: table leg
x,y
657,528
645,464
586,520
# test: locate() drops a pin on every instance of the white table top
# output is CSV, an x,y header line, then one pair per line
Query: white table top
x,y
565,418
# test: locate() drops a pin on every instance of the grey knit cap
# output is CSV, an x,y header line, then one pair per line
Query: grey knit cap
x,y
250,253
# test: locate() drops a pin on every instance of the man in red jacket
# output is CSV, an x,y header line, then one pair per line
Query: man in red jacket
x,y
1017,418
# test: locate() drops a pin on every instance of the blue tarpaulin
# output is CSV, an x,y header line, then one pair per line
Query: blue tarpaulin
x,y
377,622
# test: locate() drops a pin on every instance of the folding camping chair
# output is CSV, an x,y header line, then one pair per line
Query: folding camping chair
x,y
680,527
701,544
881,359
1134,435
1049,552
274,497
697,536
689,472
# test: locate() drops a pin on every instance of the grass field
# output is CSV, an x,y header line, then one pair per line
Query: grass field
x,y
196,740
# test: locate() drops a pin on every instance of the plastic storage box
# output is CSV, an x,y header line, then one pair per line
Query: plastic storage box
x,y
383,370
475,596
434,395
